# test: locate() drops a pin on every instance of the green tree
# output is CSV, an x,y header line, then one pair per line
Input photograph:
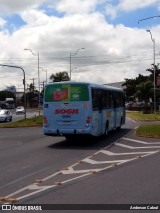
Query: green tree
x,y
154,67
144,90
6,94
60,76
32,88
130,86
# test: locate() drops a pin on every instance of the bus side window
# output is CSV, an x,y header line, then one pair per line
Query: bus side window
x,y
104,103
110,99
102,99
97,99
94,99
105,99
114,100
118,100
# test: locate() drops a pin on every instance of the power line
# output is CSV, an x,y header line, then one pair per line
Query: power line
x,y
60,58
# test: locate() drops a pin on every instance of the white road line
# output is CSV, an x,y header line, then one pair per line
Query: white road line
x,y
131,120
138,141
35,192
87,160
41,188
36,187
16,192
70,172
142,147
48,187
126,153
50,176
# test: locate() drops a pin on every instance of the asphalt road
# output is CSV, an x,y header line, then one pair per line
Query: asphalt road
x,y
38,169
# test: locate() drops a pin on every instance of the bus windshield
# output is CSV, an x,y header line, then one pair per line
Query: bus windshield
x,y
66,92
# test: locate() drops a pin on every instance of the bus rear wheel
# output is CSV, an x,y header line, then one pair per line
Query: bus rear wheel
x,y
118,128
106,129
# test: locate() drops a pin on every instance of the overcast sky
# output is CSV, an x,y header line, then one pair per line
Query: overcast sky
x,y
116,45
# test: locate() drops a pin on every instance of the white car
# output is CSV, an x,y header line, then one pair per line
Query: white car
x,y
5,115
20,110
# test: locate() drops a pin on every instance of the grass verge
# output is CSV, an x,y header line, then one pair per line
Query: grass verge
x,y
140,116
29,122
147,130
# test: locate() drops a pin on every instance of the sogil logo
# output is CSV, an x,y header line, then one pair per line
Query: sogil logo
x,y
66,111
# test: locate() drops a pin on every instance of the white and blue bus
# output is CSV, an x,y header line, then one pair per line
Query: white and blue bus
x,y
80,108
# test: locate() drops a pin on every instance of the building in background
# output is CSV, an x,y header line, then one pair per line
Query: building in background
x,y
11,89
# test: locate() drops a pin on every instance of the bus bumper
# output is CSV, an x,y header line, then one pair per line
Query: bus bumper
x,y
86,131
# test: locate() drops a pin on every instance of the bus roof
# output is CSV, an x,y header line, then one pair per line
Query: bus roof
x,y
94,85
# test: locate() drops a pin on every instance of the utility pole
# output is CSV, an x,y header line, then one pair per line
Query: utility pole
x,y
153,40
43,84
37,54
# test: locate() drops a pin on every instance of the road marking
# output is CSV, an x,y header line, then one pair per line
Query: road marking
x,y
37,188
140,147
138,141
87,160
126,153
72,171
131,120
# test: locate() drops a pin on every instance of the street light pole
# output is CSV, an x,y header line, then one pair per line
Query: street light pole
x,y
70,65
38,81
153,40
148,18
73,54
154,59
38,76
44,71
24,83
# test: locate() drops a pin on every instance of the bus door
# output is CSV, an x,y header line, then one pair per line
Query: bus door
x,y
102,116
97,122
106,111
97,112
118,114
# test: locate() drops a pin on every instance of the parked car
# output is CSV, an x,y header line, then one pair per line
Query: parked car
x,y
128,104
5,115
20,110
